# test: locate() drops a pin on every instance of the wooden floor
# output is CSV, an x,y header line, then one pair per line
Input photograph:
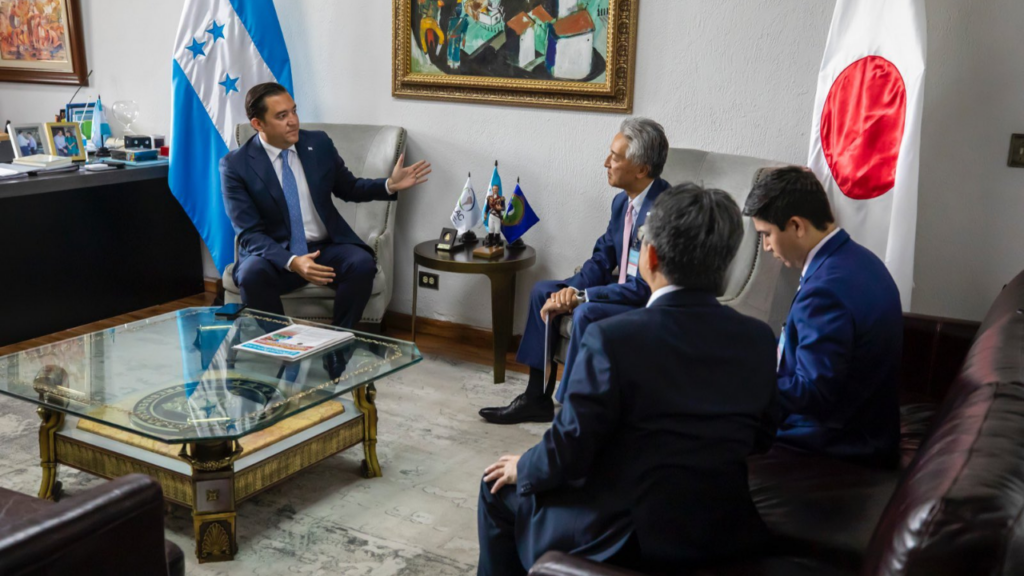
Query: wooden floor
x,y
428,343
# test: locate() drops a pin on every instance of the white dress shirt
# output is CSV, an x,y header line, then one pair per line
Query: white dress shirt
x,y
312,225
661,292
814,251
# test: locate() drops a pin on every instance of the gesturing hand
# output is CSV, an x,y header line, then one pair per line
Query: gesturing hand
x,y
503,471
561,302
405,177
313,273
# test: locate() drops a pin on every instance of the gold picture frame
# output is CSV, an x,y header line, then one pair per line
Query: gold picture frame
x,y
65,140
499,70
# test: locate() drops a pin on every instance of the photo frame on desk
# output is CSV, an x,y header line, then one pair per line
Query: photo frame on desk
x,y
65,140
28,139
43,42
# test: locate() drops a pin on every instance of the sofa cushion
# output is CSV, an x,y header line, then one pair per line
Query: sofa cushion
x,y
819,507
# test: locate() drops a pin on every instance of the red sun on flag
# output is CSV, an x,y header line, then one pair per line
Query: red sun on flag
x,y
862,126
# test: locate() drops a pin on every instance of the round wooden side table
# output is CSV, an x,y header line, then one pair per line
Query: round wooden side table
x,y
502,274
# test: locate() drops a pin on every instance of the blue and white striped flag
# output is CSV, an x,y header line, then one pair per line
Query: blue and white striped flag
x,y
223,48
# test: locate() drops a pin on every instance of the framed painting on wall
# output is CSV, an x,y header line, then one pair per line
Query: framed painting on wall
x,y
41,41
577,54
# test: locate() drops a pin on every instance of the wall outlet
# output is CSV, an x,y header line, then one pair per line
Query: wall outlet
x,y
1016,151
431,281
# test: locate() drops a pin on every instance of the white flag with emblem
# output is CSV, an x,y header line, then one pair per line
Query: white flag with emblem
x,y
466,215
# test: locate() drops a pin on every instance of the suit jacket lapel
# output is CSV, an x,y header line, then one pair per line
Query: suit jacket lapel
x,y
657,188
827,250
307,155
260,164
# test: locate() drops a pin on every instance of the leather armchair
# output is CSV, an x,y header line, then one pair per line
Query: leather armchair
x,y
369,152
756,284
114,528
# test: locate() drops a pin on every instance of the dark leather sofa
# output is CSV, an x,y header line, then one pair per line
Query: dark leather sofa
x,y
955,506
114,528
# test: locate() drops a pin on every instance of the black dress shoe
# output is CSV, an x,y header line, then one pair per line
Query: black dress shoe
x,y
522,409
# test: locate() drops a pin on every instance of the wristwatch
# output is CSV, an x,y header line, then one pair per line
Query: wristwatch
x,y
581,296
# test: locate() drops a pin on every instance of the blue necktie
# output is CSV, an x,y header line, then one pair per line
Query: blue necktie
x,y
297,243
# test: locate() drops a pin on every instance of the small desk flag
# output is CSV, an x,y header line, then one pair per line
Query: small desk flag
x,y
466,216
493,190
519,217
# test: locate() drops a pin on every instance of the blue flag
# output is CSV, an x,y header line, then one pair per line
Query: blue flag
x,y
223,48
519,217
493,190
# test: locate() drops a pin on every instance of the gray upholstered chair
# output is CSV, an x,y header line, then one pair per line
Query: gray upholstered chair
x,y
369,152
756,284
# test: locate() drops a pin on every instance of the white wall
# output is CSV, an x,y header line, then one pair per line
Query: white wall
x,y
734,77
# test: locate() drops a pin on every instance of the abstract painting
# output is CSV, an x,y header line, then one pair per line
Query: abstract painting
x,y
553,53
41,41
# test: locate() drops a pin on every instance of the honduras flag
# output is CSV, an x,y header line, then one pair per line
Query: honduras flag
x,y
493,190
223,48
519,217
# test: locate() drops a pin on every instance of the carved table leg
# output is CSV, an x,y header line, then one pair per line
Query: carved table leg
x,y
213,499
49,488
365,397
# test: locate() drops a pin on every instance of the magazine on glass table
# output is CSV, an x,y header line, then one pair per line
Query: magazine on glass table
x,y
295,342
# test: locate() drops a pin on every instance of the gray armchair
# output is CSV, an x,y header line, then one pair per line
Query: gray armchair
x,y
756,284
369,152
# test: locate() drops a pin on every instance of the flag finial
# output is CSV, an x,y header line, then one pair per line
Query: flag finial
x,y
495,163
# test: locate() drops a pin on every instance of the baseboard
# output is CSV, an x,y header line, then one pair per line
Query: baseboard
x,y
214,285
452,331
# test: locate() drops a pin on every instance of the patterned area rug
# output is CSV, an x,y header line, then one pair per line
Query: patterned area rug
x,y
419,519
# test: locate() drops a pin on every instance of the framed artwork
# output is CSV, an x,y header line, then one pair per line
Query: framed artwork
x,y
42,41
577,54
65,140
28,139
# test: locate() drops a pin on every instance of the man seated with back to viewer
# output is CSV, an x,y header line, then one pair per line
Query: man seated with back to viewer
x,y
634,165
277,191
839,352
645,464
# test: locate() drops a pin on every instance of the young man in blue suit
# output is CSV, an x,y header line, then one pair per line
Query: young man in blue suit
x,y
634,164
277,191
839,353
645,464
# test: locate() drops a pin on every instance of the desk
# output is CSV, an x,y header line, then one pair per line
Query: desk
x,y
500,271
80,247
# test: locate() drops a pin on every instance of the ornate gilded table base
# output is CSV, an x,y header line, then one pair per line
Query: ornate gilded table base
x,y
214,488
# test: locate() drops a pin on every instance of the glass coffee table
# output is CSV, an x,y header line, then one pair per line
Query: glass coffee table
x,y
171,398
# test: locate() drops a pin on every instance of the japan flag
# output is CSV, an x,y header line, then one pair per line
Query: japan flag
x,y
866,129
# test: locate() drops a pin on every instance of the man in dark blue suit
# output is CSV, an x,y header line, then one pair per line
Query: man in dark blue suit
x,y
645,464
277,191
839,353
598,291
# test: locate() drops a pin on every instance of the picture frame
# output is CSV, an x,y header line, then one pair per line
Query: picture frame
x,y
65,140
42,42
567,54
28,139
